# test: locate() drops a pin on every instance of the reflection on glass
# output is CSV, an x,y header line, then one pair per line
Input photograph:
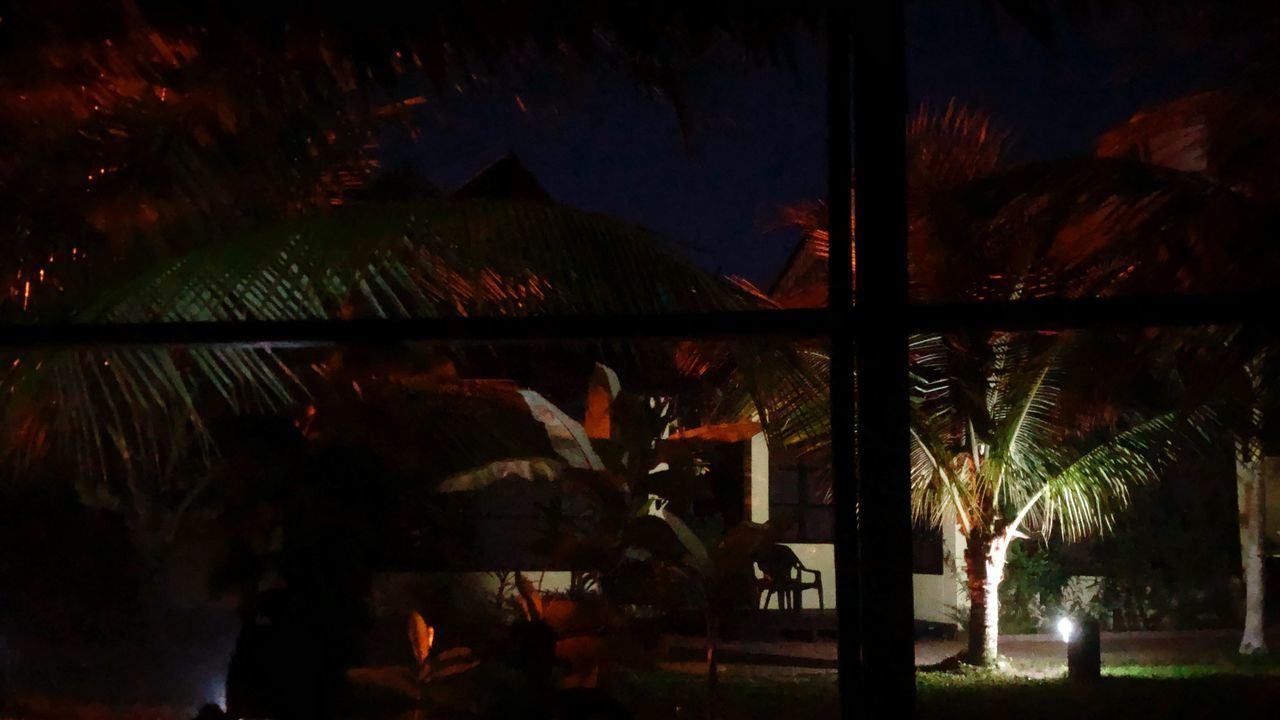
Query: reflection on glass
x,y
1119,152
488,161
570,523
478,530
1038,482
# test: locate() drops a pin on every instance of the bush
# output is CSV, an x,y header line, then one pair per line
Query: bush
x,y
1173,559
1035,582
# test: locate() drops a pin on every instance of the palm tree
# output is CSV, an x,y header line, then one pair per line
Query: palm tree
x,y
1073,228
1225,135
998,451
1088,227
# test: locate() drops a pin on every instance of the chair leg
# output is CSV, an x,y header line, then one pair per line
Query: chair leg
x,y
821,603
768,594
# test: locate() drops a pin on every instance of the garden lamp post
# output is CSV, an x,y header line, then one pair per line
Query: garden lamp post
x,y
1084,648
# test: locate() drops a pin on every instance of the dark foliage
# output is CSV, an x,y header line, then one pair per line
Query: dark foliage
x,y
1173,562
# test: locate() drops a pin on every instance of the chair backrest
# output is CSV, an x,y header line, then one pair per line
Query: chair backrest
x,y
778,562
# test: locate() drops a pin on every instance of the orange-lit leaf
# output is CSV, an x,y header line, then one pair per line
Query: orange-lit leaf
x,y
421,636
601,391
725,432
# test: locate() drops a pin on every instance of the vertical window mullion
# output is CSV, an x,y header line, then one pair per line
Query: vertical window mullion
x,y
884,497
844,477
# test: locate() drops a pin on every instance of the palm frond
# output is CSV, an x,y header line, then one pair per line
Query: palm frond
x,y
941,476
952,146
426,259
1227,134
115,403
1026,461
431,258
1085,496
1027,436
1087,227
787,386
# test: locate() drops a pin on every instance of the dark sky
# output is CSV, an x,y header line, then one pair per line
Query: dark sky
x,y
759,133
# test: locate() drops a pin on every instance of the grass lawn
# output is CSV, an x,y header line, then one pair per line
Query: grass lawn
x,y
1129,692
1222,690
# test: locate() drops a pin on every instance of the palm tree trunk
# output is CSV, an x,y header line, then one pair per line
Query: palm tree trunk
x,y
984,564
1249,488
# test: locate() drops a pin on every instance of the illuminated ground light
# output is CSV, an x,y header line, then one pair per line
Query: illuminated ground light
x,y
1066,629
1084,648
215,691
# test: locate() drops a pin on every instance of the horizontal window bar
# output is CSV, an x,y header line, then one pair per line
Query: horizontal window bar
x,y
1064,314
789,323
1253,309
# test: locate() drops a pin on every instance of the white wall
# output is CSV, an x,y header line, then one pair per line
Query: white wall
x,y
936,596
820,557
555,581
815,556
758,480
939,598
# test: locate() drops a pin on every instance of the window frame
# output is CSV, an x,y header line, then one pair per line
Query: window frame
x,y
803,505
876,643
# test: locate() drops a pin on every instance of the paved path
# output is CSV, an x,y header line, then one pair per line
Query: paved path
x,y
1033,654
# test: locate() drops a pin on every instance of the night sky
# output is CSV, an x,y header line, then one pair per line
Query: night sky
x,y
758,139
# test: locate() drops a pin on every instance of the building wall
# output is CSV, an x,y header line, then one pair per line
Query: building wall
x,y
937,597
941,598
820,557
551,581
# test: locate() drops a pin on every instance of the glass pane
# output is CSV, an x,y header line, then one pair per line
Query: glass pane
x,y
785,486
190,164
819,524
927,552
1106,476
256,527
180,523
817,486
1123,150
